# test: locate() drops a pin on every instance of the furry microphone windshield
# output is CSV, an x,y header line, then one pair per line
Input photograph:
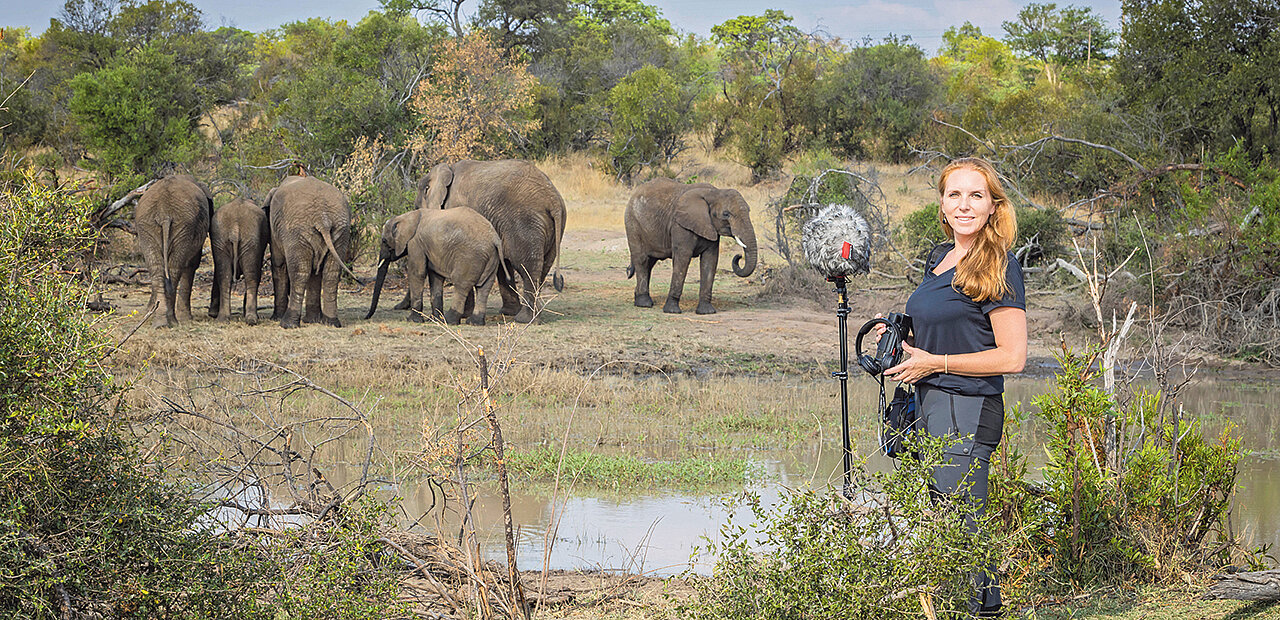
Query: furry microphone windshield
x,y
837,242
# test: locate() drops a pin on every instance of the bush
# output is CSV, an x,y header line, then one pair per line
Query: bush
x,y
87,526
833,558
1159,512
1043,232
919,231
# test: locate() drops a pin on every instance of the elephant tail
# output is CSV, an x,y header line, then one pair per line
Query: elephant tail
x,y
328,242
165,228
508,272
557,278
631,271
236,269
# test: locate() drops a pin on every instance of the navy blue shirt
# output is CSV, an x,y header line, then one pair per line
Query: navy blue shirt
x,y
948,322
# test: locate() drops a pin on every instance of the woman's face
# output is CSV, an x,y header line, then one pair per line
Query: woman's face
x,y
966,203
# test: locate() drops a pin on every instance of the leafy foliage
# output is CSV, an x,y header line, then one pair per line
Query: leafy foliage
x,y
875,99
478,106
86,524
1150,518
828,557
648,120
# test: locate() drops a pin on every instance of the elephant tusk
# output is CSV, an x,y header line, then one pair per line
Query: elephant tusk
x,y
735,238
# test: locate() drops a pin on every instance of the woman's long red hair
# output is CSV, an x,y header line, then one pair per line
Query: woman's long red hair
x,y
980,274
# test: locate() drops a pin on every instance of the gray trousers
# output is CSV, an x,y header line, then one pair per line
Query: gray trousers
x,y
976,424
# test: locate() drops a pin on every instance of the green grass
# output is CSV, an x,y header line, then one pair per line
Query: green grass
x,y
625,471
1151,604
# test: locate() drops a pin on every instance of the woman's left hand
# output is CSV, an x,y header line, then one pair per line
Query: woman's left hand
x,y
919,365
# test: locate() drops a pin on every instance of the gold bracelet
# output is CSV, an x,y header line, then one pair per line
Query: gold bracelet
x,y
946,368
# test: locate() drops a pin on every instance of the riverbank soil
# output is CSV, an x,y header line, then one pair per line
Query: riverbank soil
x,y
590,329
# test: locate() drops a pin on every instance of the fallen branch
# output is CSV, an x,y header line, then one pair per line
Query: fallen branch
x,y
1252,586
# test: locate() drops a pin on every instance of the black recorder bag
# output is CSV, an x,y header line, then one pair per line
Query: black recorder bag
x,y
899,421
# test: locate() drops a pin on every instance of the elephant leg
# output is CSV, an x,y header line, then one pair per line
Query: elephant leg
x,y
469,308
679,267
437,294
251,266
330,273
707,262
643,267
477,303
215,295
507,288
159,304
186,280
223,285
251,281
298,277
280,282
458,303
313,290
406,303
529,294
416,274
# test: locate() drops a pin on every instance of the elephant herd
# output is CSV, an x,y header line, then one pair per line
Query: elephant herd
x,y
474,223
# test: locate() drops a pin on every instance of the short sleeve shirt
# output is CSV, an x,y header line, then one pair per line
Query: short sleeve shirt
x,y
946,321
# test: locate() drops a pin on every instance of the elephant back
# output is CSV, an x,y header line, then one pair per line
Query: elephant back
x,y
240,217
180,201
300,203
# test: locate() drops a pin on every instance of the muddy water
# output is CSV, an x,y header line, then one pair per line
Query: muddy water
x,y
661,532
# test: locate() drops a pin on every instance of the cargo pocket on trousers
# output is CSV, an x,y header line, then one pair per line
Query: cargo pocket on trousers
x,y
965,411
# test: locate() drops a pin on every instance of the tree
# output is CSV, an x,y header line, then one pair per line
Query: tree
x,y
137,114
953,39
875,98
583,55
1214,60
768,70
1068,36
477,104
648,117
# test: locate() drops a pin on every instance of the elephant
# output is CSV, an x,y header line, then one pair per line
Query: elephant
x,y
523,206
458,245
172,221
310,231
239,236
668,219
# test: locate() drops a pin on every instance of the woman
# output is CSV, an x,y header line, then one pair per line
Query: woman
x,y
970,329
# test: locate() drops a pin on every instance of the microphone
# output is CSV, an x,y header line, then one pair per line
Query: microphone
x,y
837,242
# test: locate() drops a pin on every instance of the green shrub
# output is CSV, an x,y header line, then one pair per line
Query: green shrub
x,y
87,525
919,231
1159,512
817,555
329,570
1044,231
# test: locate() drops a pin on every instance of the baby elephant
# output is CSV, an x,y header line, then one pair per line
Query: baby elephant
x,y
458,245
239,236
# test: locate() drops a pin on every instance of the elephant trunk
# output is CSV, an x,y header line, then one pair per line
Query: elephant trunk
x,y
746,236
377,287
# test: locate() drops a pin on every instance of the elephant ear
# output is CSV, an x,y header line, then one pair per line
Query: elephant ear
x,y
403,229
693,213
433,189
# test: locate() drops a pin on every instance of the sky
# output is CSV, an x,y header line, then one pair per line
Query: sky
x,y
923,20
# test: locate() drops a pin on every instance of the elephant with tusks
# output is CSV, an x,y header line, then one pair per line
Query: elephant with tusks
x,y
668,219
310,231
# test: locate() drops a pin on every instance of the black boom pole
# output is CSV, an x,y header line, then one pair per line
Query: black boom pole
x,y
842,316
